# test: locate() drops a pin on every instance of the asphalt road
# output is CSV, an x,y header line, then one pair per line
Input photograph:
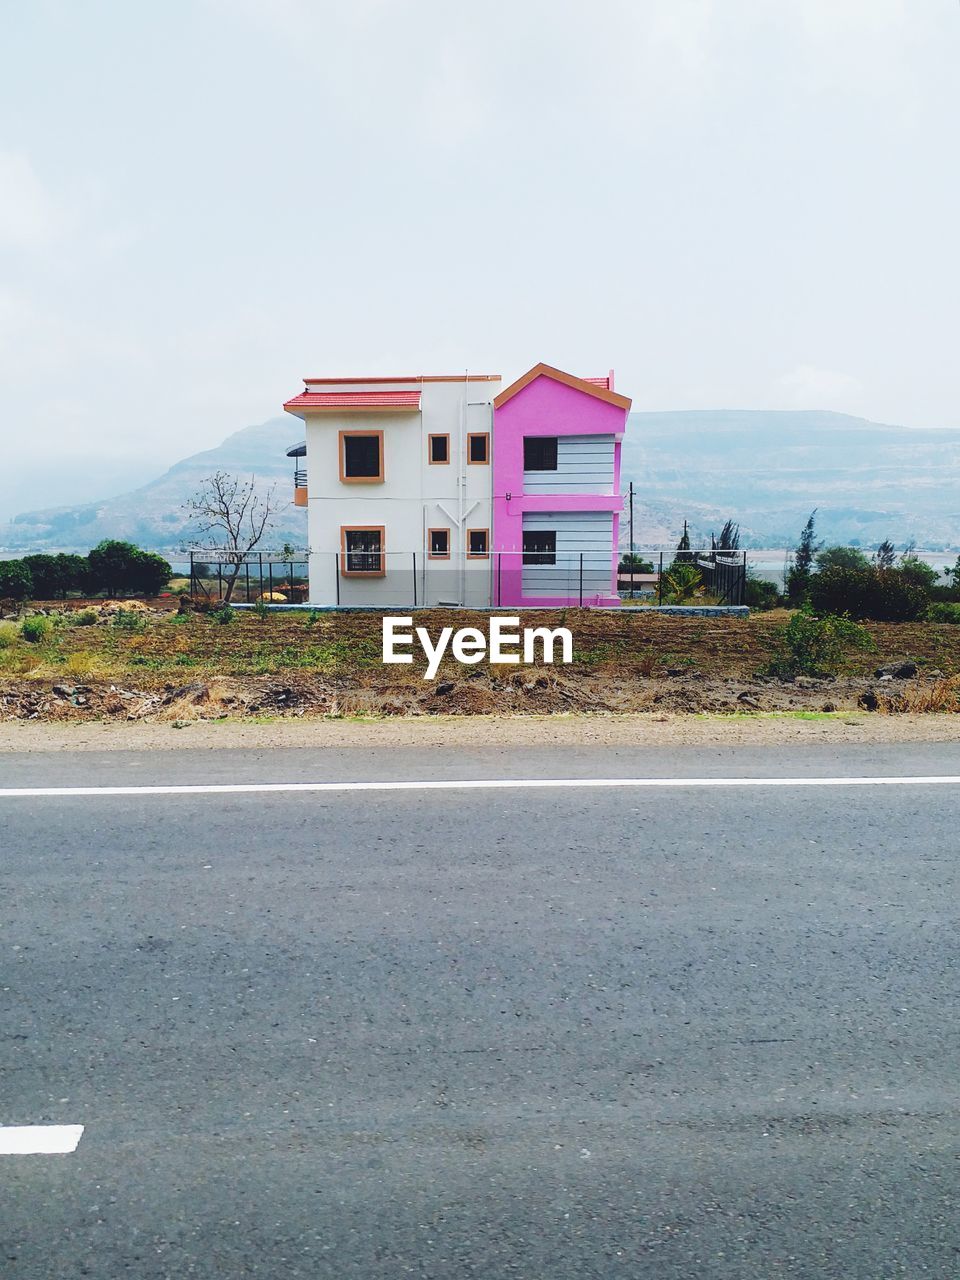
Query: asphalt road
x,y
691,1032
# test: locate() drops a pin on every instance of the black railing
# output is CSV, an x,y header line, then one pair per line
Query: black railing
x,y
300,478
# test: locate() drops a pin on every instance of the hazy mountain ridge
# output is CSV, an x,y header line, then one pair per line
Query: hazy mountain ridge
x,y
766,469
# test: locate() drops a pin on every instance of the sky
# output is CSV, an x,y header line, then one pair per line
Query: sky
x,y
734,203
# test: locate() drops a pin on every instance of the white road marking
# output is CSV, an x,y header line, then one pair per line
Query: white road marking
x,y
469,784
39,1139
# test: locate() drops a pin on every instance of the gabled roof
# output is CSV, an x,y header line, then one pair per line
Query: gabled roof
x,y
598,387
366,400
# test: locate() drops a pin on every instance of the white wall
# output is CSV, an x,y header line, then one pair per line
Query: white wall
x,y
586,533
414,497
584,465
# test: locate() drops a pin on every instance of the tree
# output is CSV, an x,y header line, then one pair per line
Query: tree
x,y
120,567
16,582
885,555
729,539
913,569
798,579
54,576
239,516
683,554
841,558
633,562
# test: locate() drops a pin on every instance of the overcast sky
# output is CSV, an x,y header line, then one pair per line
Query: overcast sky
x,y
735,203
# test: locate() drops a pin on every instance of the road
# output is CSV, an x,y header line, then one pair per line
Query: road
x,y
672,1032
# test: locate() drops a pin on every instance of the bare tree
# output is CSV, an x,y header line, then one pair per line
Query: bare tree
x,y
239,516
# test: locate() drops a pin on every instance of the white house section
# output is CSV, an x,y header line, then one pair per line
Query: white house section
x,y
559,546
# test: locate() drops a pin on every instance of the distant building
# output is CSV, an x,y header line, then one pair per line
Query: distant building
x,y
444,489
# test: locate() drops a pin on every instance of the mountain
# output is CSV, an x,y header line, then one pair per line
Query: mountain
x,y
768,470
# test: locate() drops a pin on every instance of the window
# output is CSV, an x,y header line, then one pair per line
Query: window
x,y
539,453
478,544
439,449
361,551
539,547
361,457
478,447
439,543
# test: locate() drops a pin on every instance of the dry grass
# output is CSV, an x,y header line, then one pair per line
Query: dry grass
x,y
918,698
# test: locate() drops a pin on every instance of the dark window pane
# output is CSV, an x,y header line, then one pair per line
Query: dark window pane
x,y
363,550
540,453
478,542
439,542
478,448
361,457
439,448
539,548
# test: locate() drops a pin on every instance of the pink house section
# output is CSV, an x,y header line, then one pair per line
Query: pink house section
x,y
549,403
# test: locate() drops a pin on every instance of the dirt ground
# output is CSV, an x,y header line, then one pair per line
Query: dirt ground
x,y
458,732
148,665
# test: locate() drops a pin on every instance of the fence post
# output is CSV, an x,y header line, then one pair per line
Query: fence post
x,y
414,554
499,567
660,581
193,580
581,579
336,574
219,580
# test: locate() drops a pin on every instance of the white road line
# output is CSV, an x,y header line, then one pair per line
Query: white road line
x,y
39,1139
470,784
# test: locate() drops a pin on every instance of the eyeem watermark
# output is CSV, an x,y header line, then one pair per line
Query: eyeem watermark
x,y
505,643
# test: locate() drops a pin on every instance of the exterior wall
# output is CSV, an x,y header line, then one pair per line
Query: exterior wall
x,y
414,497
585,464
582,558
546,407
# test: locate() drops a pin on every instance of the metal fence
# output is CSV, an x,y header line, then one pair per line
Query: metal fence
x,y
364,575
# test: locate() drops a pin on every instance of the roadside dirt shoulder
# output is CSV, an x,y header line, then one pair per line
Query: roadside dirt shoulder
x,y
480,731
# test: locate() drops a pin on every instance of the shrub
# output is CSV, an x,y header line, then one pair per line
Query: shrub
x,y
85,618
682,582
841,558
760,594
224,615
813,646
9,631
16,580
884,595
261,609
35,630
128,620
944,611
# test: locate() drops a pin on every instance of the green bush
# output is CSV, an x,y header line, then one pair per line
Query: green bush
x,y
841,558
944,611
128,620
84,618
224,615
35,630
261,609
16,580
760,594
883,595
9,631
813,646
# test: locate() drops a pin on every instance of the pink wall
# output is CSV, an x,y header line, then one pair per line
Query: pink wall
x,y
546,407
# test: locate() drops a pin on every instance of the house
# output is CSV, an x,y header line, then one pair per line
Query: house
x,y
556,477
426,490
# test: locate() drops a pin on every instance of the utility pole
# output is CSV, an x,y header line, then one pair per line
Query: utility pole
x,y
631,540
